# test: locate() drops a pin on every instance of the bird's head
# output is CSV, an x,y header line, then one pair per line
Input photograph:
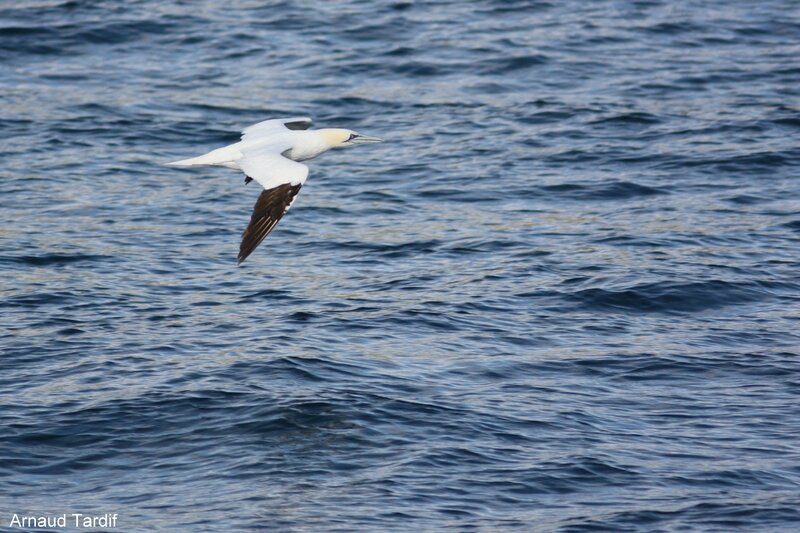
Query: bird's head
x,y
340,138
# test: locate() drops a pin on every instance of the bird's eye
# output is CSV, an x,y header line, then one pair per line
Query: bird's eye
x,y
352,136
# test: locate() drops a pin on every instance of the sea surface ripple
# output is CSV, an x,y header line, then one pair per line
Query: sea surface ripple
x,y
564,295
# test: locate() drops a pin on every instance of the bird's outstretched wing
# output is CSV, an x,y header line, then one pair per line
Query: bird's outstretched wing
x,y
275,125
282,179
261,148
266,165
270,207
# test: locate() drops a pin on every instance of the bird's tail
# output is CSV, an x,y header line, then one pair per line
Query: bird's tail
x,y
187,162
221,156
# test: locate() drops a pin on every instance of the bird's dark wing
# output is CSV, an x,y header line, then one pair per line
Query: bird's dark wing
x,y
301,124
270,207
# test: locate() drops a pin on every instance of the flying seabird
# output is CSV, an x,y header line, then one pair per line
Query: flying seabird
x,y
269,153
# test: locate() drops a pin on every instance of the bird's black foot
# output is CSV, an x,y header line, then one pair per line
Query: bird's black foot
x,y
247,179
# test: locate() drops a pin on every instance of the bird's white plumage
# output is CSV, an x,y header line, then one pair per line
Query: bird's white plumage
x,y
269,152
262,146
271,169
260,152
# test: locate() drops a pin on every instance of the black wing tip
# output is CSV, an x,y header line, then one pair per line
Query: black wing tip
x,y
272,204
298,124
243,254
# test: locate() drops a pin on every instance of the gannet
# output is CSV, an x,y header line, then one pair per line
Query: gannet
x,y
269,153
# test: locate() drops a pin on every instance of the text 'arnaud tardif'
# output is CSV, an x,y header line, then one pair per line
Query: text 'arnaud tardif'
x,y
78,520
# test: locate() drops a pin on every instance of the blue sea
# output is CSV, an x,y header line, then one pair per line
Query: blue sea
x,y
564,296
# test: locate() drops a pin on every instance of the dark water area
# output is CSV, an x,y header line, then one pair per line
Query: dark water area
x,y
564,295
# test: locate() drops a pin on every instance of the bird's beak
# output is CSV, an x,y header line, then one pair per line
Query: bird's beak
x,y
365,139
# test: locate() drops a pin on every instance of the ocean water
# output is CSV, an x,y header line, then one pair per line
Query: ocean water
x,y
563,296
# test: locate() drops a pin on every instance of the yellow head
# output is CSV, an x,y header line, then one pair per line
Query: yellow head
x,y
339,137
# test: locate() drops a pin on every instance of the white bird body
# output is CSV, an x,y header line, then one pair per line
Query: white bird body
x,y
269,153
